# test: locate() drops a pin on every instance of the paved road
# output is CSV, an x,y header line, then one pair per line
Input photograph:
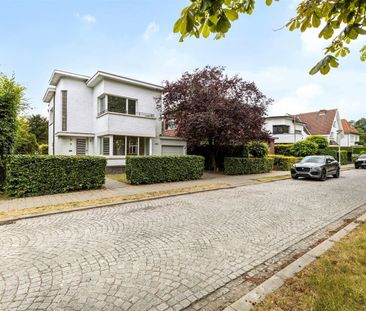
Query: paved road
x,y
162,254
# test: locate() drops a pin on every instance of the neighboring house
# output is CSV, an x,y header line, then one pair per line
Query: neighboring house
x,y
286,129
289,129
107,115
351,135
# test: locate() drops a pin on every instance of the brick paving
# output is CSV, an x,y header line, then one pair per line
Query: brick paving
x,y
164,254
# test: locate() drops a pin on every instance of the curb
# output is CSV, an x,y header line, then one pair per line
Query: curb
x,y
6,221
248,301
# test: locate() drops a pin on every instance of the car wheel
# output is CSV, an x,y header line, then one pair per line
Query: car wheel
x,y
337,174
356,167
323,175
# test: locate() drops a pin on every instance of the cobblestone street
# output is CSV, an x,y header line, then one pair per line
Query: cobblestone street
x,y
166,253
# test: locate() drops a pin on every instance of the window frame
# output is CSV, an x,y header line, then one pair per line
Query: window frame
x,y
127,104
64,110
276,126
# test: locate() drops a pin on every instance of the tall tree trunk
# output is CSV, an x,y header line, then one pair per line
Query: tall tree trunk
x,y
212,154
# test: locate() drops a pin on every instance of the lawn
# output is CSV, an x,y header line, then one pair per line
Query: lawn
x,y
334,282
119,177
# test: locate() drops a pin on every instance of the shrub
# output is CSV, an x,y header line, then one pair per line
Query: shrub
x,y
156,169
258,149
321,141
29,175
284,163
359,150
241,166
283,149
304,148
334,153
43,149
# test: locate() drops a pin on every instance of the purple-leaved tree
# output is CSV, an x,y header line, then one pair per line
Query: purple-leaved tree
x,y
210,108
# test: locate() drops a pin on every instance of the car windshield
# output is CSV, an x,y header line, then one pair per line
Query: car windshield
x,y
363,156
313,159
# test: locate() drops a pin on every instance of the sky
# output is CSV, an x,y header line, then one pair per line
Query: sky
x,y
135,39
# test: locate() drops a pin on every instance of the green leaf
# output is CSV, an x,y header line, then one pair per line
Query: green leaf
x,y
268,2
178,25
205,30
231,14
315,21
324,70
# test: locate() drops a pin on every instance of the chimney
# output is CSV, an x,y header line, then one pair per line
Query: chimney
x,y
322,112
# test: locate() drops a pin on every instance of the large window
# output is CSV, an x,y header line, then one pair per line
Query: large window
x,y
132,145
119,145
64,110
124,145
281,129
116,104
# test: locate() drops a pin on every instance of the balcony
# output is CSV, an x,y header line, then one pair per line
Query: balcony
x,y
139,124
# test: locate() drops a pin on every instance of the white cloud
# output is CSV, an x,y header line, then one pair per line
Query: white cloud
x,y
150,30
86,19
303,100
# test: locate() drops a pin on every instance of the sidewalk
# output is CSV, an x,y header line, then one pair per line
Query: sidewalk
x,y
121,191
114,188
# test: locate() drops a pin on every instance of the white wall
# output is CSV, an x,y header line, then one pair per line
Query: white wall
x,y
285,138
349,140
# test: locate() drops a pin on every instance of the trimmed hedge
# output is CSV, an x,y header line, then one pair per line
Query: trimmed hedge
x,y
283,149
29,175
284,163
334,153
156,169
242,166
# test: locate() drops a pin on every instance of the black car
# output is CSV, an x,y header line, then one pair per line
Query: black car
x,y
318,167
361,161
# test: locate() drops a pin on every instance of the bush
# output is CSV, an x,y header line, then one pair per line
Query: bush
x,y
241,166
29,175
359,150
284,163
304,148
43,149
283,149
156,169
334,153
258,149
321,141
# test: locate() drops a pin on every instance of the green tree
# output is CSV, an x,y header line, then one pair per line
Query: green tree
x,y
25,141
11,102
321,141
340,21
360,125
304,148
38,125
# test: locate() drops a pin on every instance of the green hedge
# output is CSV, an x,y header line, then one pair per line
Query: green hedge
x,y
359,150
29,175
283,149
284,163
156,169
334,153
241,166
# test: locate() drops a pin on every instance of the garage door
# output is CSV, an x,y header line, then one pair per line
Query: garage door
x,y
172,150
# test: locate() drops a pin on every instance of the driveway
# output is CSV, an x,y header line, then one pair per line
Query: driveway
x,y
166,253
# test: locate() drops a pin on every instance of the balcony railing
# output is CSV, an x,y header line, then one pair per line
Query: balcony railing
x,y
139,114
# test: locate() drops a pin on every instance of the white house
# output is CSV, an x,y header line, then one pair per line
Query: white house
x,y
286,129
292,128
107,115
351,135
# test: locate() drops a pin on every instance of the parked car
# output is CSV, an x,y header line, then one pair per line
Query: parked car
x,y
317,167
361,161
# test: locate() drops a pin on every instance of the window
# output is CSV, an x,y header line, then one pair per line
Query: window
x,y
104,146
298,132
51,116
132,145
131,106
64,110
281,129
80,146
102,104
116,104
119,145
144,146
171,125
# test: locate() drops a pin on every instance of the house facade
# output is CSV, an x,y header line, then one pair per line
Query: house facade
x,y
292,128
106,115
351,135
